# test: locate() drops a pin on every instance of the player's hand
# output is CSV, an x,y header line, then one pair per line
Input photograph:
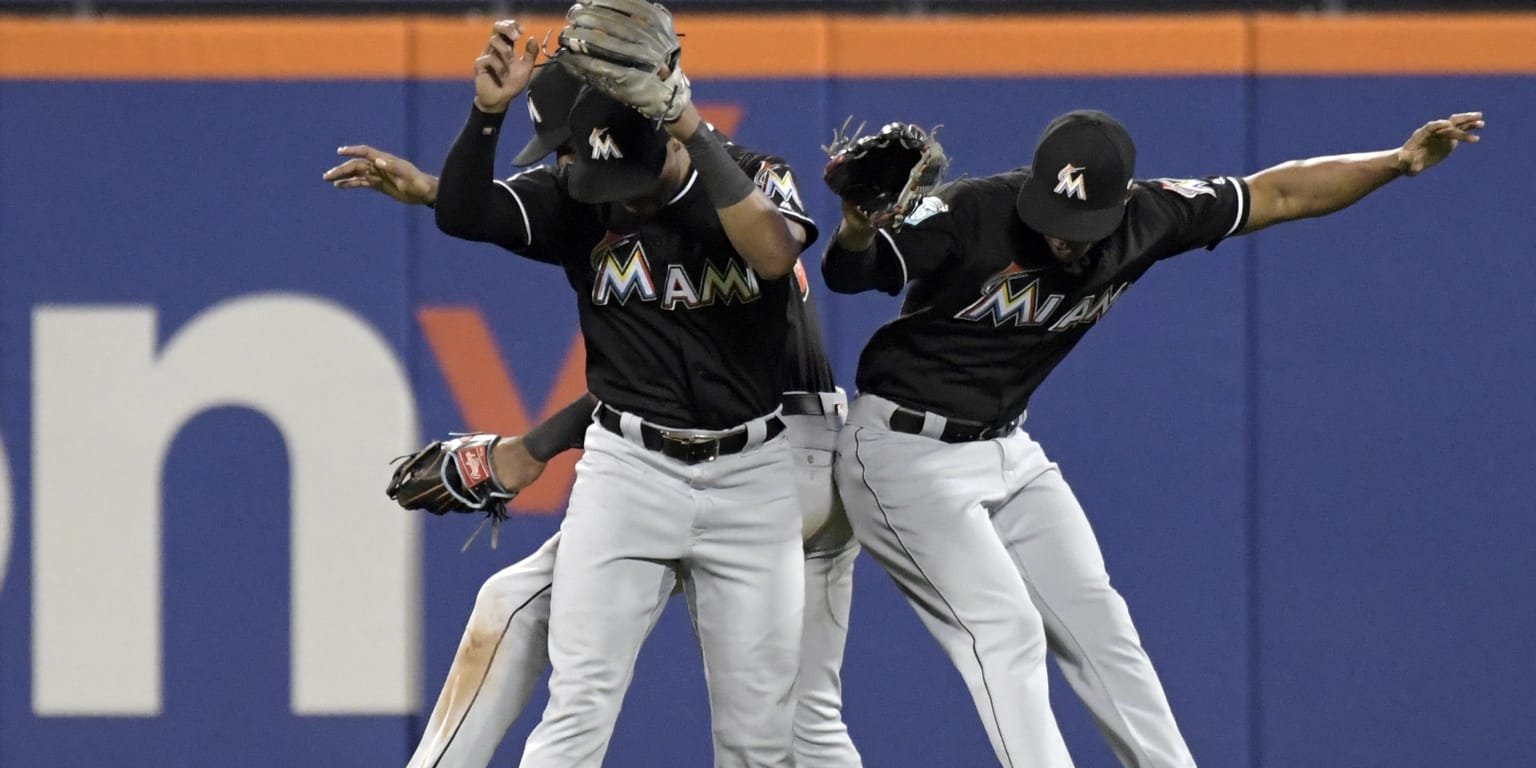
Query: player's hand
x,y
1434,142
503,71
856,231
370,168
515,468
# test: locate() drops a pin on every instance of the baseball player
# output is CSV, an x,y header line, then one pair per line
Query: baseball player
x,y
682,268
503,651
943,486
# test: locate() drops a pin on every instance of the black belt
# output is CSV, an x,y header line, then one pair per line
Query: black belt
x,y
803,404
686,448
955,430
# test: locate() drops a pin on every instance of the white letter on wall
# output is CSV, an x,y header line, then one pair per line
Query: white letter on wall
x,y
106,409
5,513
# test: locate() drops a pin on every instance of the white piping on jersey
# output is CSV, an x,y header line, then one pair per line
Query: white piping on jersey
x,y
692,177
527,228
897,251
1242,203
799,217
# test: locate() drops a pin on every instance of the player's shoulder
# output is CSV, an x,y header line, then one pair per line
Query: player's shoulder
x,y
548,176
982,194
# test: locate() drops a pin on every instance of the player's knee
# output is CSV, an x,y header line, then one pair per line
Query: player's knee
x,y
1018,634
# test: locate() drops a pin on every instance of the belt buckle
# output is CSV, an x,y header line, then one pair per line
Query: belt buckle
x,y
695,449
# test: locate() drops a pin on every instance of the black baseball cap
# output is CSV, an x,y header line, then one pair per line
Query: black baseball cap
x,y
550,95
619,152
1080,178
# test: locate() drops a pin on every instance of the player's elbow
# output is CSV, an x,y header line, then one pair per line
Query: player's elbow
x,y
840,280
452,222
775,264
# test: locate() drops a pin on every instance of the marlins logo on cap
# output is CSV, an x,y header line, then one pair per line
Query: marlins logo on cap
x,y
1069,182
603,146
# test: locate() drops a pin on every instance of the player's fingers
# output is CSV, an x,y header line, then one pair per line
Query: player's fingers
x,y
489,65
1466,117
531,49
348,168
1435,126
508,28
501,49
353,183
357,150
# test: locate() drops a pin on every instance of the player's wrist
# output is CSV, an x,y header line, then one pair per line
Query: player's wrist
x,y
724,182
495,110
855,237
687,124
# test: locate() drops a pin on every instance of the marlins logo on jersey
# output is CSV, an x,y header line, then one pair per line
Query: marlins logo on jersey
x,y
779,185
623,270
1015,296
1187,188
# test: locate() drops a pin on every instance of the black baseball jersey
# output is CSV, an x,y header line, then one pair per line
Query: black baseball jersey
x,y
990,311
679,330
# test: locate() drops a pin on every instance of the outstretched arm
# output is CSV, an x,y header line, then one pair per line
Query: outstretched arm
x,y
1319,186
394,176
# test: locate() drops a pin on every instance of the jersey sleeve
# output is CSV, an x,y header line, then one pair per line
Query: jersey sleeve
x,y
924,244
929,239
1183,214
540,214
775,179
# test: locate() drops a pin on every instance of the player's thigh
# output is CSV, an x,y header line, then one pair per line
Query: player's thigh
x,y
1053,545
747,566
627,519
520,590
922,513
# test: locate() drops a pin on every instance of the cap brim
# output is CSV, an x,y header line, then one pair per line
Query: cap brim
x,y
610,183
1050,214
536,149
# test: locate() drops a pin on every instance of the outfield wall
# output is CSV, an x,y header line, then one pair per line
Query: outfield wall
x,y
1306,454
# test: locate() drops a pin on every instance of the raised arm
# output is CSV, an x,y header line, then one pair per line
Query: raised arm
x,y
634,58
468,205
856,261
1319,186
767,240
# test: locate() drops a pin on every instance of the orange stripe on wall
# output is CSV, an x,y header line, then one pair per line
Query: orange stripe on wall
x,y
216,49
798,45
1021,46
1442,44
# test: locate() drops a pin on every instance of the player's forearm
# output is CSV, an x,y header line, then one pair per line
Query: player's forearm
x,y
751,221
761,235
848,270
463,194
563,431
1318,186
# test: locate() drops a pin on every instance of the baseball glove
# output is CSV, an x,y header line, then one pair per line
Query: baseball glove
x,y
621,48
886,174
453,476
